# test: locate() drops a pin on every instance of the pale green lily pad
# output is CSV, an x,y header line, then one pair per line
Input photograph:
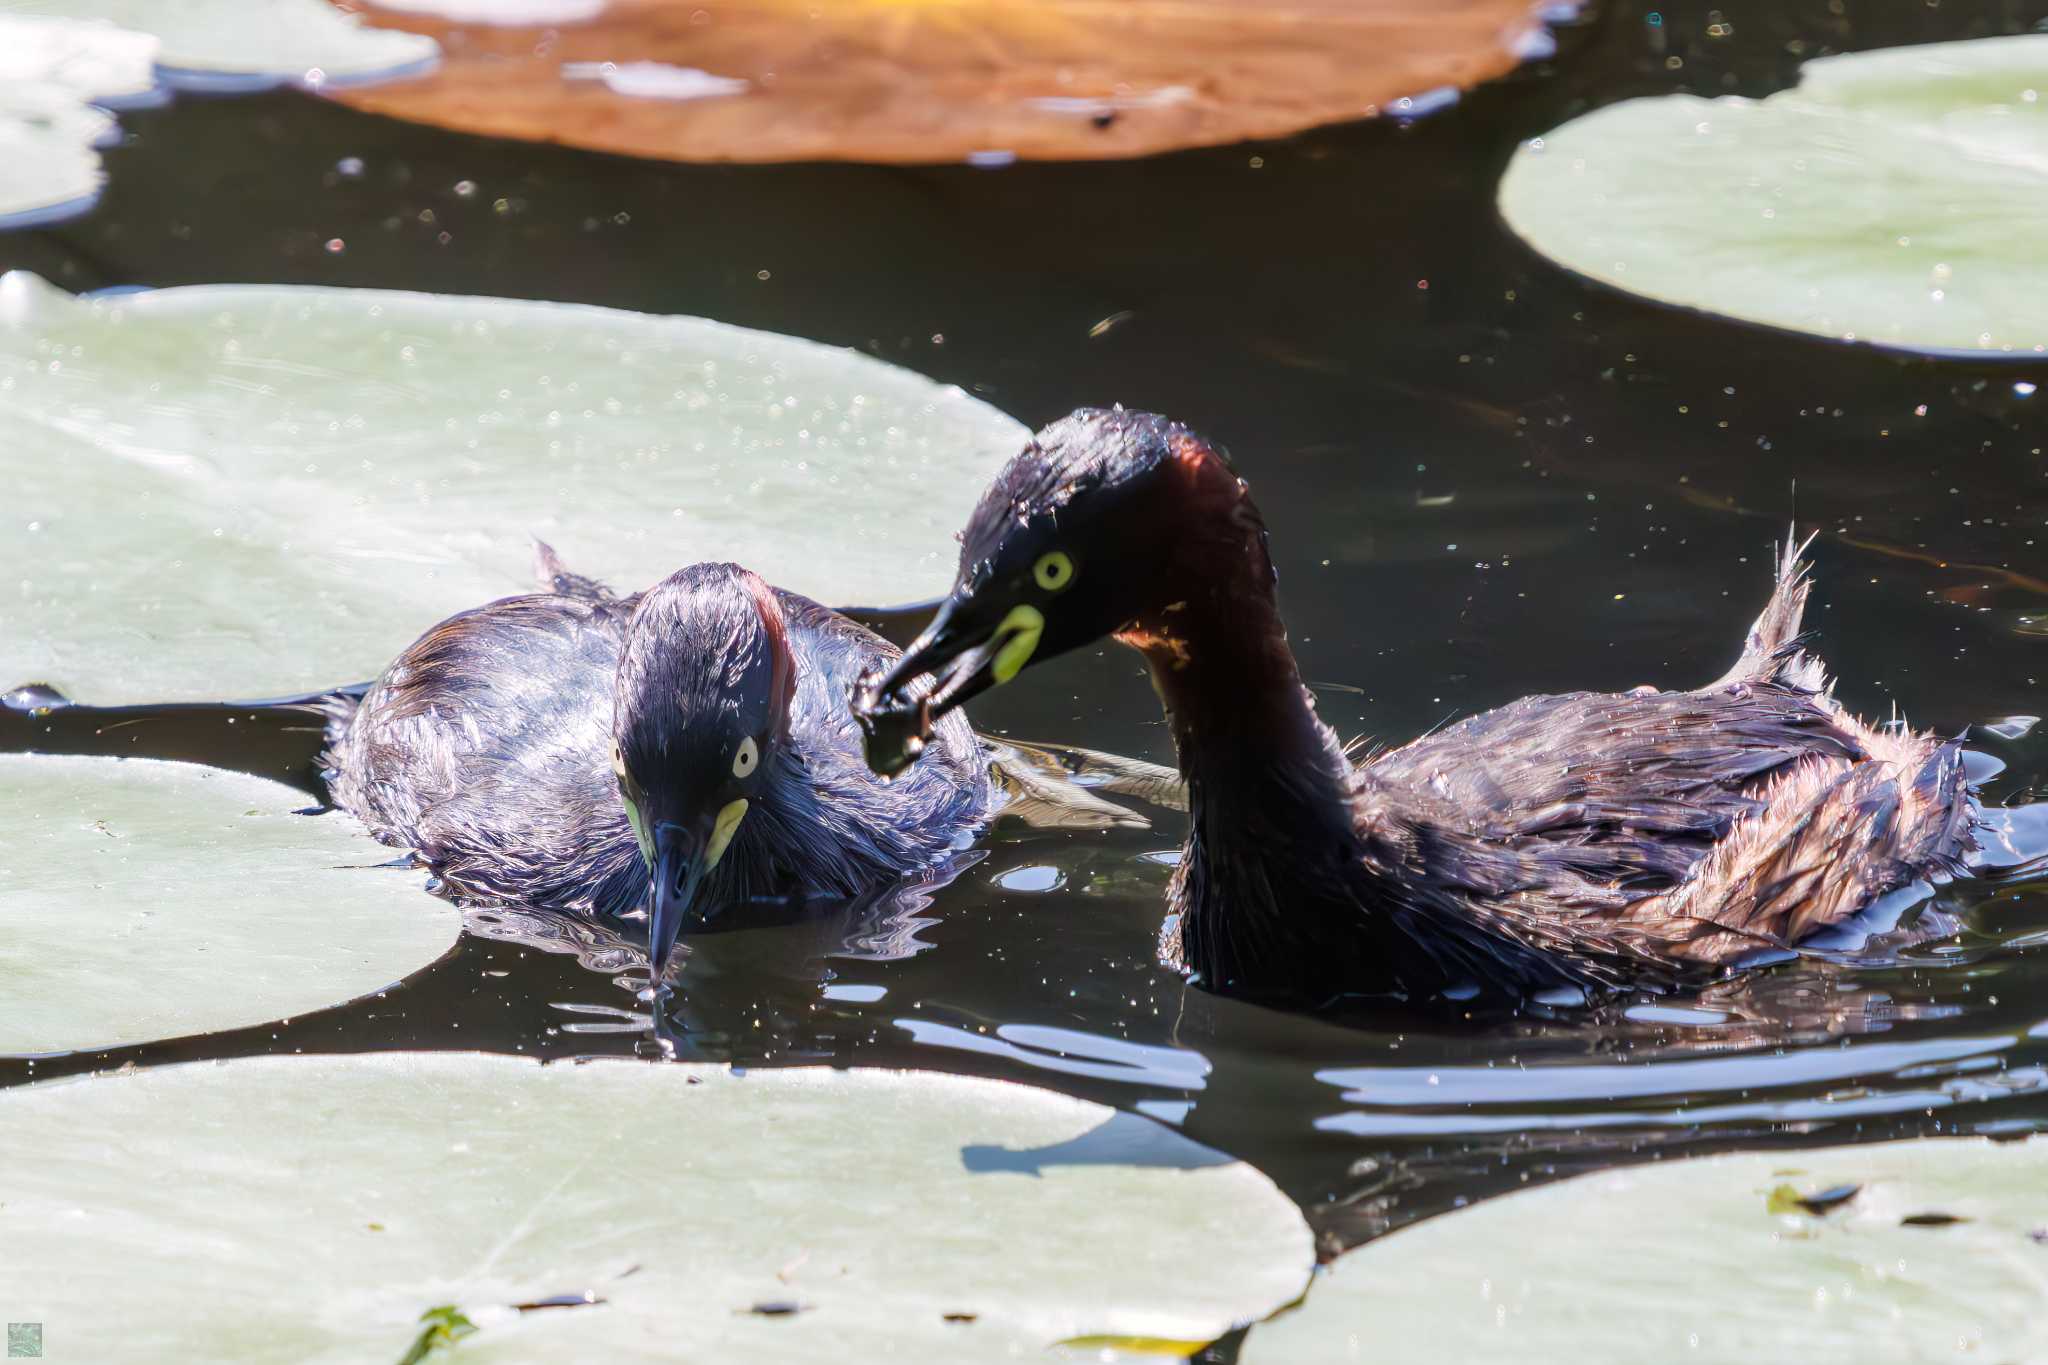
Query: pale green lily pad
x,y
260,42
59,57
310,1209
1894,197
241,490
51,70
510,13
143,900
1941,1253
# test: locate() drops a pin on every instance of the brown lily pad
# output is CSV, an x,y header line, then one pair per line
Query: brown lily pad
x,y
946,80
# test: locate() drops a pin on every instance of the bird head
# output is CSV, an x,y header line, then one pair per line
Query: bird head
x,y
700,725
1095,527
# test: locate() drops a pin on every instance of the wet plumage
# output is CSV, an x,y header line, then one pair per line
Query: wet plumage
x,y
493,746
1590,841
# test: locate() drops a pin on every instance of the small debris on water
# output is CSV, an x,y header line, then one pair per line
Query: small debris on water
x,y
586,1299
1786,1199
444,1326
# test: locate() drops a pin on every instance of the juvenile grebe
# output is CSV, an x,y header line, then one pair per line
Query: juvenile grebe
x,y
560,750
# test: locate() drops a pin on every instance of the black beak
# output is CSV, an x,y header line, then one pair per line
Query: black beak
x,y
950,663
678,869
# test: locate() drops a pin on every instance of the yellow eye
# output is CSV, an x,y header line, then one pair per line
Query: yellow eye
x,y
1053,571
618,763
746,757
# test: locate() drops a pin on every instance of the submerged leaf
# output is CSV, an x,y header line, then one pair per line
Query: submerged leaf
x,y
1893,197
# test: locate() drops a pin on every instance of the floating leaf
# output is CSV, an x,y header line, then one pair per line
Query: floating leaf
x,y
59,58
150,1212
512,12
1893,197
985,81
240,490
1669,1261
249,44
51,71
143,900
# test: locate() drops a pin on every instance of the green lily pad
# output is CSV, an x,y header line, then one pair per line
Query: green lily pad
x,y
143,900
1939,1255
51,70
59,58
1893,197
240,490
641,1212
253,43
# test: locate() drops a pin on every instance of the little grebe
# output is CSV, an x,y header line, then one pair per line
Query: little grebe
x,y
1588,841
559,750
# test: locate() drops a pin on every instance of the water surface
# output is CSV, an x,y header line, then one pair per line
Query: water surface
x,y
1483,477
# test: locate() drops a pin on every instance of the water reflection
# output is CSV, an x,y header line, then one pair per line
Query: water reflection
x,y
1070,1052
1411,1087
1610,475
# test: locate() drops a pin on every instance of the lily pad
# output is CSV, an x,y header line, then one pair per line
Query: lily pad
x,y
251,44
499,11
243,490
51,71
642,1212
985,81
1894,197
1717,1259
143,900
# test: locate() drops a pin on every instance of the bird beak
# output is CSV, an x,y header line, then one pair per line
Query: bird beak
x,y
682,855
960,655
679,867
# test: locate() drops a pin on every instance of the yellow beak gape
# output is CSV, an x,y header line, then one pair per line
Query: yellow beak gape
x,y
1023,625
640,835
721,832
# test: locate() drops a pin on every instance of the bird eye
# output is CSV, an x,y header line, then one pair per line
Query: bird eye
x,y
1053,571
618,763
746,757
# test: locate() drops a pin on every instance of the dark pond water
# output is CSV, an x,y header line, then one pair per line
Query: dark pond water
x,y
1483,478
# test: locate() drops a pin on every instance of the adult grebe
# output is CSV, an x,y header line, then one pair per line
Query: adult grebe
x,y
1590,840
